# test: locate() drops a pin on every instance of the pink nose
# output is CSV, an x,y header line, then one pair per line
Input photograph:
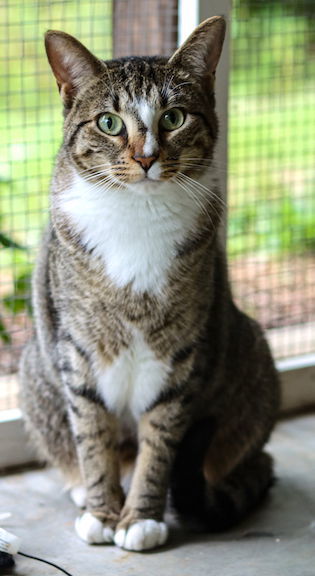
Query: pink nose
x,y
145,161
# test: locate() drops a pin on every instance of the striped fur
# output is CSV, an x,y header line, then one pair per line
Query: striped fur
x,y
138,346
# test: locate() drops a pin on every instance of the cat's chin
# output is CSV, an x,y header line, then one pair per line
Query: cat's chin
x,y
147,179
145,186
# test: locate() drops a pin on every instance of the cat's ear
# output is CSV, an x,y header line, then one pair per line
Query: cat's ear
x,y
200,53
71,63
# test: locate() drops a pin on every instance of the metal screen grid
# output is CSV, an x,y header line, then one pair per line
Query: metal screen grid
x,y
31,120
145,27
271,224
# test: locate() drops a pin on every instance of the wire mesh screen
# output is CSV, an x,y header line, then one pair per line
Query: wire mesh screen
x,y
145,27
272,170
30,119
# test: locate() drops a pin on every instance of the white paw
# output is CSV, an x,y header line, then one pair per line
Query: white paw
x,y
92,530
78,496
142,535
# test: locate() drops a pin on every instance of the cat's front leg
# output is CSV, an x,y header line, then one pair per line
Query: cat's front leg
x,y
141,525
95,437
98,456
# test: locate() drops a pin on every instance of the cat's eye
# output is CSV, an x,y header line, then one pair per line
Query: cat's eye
x,y
172,119
110,124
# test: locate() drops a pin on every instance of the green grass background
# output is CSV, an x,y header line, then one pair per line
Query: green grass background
x,y
271,128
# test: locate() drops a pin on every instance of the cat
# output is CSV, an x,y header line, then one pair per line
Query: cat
x,y
139,351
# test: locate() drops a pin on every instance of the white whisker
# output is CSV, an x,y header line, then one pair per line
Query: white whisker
x,y
198,201
204,193
204,189
104,164
165,88
173,92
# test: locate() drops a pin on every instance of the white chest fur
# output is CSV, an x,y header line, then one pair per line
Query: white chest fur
x,y
134,380
135,232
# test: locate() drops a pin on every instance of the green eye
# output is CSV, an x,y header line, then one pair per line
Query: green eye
x,y
110,124
172,119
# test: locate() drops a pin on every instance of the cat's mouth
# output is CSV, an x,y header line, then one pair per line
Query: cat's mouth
x,y
145,184
147,178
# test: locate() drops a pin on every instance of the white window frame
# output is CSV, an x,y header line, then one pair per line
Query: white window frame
x,y
14,447
297,374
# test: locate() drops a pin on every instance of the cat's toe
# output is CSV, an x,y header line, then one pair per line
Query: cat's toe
x,y
142,535
92,530
78,496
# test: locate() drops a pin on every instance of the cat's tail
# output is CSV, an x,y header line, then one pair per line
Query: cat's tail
x,y
222,506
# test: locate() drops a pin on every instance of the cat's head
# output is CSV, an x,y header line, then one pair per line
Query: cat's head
x,y
139,119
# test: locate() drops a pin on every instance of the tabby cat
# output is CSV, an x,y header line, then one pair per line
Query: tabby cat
x,y
138,349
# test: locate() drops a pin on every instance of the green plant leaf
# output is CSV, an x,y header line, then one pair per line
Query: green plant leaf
x,y
7,242
20,300
4,334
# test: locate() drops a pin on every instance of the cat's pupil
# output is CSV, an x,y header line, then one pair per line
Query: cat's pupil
x,y
171,116
109,123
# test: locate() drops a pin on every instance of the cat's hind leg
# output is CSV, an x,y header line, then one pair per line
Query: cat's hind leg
x,y
45,414
47,422
222,505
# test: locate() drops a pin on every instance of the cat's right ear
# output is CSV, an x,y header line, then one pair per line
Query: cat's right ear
x,y
71,63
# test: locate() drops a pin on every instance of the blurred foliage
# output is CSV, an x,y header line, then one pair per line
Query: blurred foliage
x,y
20,300
303,8
276,35
6,242
271,128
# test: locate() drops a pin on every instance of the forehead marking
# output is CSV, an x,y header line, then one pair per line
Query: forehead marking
x,y
146,113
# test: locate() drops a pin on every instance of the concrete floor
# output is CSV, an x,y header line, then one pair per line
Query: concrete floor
x,y
279,539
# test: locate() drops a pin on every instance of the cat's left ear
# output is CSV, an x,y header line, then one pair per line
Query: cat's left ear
x,y
200,53
71,63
